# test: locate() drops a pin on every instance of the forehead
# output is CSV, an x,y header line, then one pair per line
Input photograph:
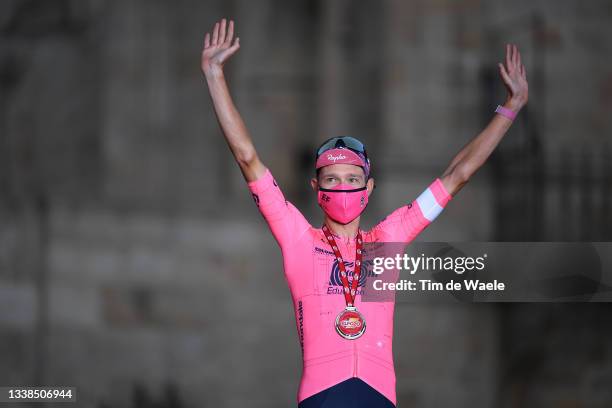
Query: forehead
x,y
341,170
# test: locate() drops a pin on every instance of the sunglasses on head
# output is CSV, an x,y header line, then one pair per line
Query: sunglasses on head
x,y
346,142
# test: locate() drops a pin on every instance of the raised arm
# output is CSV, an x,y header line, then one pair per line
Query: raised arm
x,y
217,50
473,155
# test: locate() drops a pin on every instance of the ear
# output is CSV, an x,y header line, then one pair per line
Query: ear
x,y
371,185
314,183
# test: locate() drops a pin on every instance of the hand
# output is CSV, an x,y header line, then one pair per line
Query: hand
x,y
515,78
218,51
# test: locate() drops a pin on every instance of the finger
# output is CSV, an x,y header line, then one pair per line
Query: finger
x,y
236,45
518,57
508,55
230,32
222,32
504,73
523,72
215,34
515,55
207,40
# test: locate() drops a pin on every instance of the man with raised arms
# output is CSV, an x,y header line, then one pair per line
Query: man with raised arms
x,y
346,343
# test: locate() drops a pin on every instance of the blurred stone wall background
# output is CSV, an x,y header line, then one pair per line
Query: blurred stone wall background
x,y
134,264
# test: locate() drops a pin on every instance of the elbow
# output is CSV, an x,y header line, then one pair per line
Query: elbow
x,y
458,173
454,178
462,174
246,158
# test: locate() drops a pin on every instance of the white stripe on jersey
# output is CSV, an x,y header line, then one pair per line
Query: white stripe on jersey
x,y
428,204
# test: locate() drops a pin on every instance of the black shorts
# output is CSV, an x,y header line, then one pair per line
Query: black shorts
x,y
351,393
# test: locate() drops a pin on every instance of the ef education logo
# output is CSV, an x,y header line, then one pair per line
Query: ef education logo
x,y
335,282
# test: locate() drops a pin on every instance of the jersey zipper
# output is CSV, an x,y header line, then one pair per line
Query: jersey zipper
x,y
355,360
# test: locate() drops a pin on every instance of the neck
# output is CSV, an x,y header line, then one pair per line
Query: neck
x,y
347,231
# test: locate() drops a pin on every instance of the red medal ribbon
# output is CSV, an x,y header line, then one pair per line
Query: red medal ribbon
x,y
350,291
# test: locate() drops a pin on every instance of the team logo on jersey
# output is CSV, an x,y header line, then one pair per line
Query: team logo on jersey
x,y
334,277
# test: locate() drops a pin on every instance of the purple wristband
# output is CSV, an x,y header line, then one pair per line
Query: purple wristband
x,y
510,114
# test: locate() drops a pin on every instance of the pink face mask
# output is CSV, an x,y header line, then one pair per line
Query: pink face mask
x,y
344,203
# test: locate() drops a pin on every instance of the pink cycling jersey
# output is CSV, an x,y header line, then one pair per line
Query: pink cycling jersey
x,y
311,271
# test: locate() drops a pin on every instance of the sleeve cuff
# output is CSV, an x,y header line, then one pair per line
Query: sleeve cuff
x,y
439,192
263,182
433,200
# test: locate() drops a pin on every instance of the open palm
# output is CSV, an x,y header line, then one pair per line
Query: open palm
x,y
218,49
514,75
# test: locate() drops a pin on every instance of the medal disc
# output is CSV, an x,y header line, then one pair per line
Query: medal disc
x,y
350,324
